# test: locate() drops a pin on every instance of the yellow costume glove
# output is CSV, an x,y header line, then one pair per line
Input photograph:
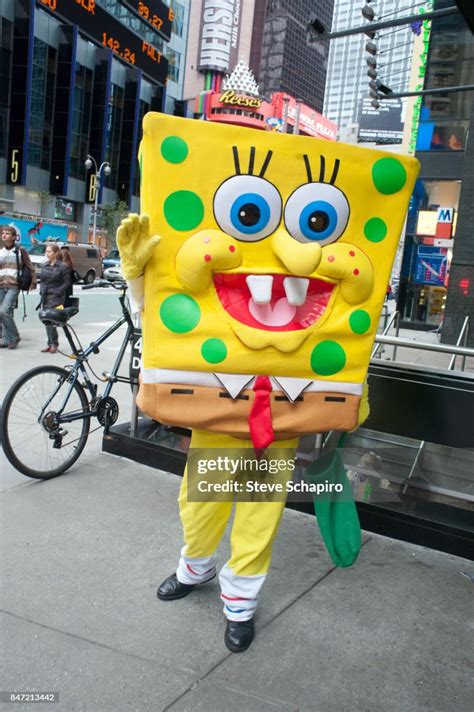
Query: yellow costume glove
x,y
135,245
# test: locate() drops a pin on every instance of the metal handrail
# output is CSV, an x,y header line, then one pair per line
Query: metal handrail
x,y
423,345
395,317
462,334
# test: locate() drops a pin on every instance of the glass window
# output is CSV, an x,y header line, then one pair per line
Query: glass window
x,y
144,107
178,20
114,131
42,105
80,120
174,59
444,120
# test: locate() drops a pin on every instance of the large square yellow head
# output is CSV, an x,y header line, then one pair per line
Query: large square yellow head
x,y
274,257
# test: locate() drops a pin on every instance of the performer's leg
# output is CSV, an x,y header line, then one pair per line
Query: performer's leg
x,y
254,529
203,523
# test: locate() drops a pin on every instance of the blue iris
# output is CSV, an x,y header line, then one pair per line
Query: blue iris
x,y
318,220
250,213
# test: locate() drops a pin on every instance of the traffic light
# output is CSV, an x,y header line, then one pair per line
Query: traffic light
x,y
368,13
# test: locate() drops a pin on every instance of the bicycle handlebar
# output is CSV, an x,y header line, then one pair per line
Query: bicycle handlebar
x,y
105,283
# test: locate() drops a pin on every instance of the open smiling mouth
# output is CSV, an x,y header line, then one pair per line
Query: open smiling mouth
x,y
273,302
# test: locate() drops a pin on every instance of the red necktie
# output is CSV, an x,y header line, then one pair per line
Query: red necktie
x,y
260,418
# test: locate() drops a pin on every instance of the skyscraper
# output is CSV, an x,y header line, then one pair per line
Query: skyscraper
x,y
347,80
289,63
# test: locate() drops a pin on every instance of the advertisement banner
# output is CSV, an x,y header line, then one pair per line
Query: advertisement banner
x,y
430,267
310,122
219,34
382,125
31,232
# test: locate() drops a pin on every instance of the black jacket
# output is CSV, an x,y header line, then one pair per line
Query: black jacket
x,y
55,284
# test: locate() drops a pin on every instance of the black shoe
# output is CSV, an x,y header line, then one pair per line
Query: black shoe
x,y
239,635
171,589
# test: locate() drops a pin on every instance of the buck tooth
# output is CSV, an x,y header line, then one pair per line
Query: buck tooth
x,y
260,288
295,290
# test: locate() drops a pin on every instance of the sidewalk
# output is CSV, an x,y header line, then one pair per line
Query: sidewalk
x,y
83,555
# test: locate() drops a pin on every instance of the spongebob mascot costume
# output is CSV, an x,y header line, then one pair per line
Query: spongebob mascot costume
x,y
260,264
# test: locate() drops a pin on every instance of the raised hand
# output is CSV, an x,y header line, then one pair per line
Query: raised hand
x,y
135,245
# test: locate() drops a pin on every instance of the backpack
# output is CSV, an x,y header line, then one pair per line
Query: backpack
x,y
25,276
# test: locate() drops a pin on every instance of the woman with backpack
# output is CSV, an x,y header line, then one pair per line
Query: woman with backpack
x,y
54,288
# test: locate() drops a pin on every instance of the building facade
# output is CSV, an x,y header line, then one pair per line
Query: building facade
x,y
77,79
289,62
437,277
269,35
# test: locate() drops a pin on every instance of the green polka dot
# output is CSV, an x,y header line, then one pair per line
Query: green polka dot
x,y
180,313
375,229
183,210
328,358
389,175
174,149
359,321
214,350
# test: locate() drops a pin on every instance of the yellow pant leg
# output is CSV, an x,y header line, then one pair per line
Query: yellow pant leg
x,y
253,531
256,525
204,523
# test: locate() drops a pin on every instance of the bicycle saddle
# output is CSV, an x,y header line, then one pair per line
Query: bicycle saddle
x,y
57,316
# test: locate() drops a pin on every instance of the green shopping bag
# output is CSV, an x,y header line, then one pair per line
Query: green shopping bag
x,y
336,512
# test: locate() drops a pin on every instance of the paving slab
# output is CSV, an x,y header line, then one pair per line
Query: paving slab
x,y
207,696
88,677
391,634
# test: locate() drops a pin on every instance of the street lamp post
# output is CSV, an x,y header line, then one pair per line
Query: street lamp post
x,y
105,169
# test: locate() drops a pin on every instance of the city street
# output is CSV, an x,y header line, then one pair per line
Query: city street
x,y
288,189
82,556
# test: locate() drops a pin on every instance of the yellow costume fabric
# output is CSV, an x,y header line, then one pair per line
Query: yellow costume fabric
x,y
254,528
273,255
263,260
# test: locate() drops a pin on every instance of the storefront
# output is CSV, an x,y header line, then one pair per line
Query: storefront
x,y
431,231
238,102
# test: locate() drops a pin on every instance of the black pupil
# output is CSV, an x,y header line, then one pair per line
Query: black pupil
x,y
249,214
318,221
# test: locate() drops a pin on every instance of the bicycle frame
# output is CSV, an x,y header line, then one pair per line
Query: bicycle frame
x,y
80,369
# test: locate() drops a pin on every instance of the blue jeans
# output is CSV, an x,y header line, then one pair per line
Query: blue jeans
x,y
8,303
52,334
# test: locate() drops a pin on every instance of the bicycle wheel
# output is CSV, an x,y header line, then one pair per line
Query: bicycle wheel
x,y
35,442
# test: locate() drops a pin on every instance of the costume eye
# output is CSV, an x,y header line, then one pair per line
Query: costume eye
x,y
317,212
247,207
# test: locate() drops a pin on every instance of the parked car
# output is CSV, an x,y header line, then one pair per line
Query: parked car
x,y
111,260
114,274
85,259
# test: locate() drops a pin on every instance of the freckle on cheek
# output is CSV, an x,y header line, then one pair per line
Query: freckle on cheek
x,y
208,258
232,248
352,254
356,272
331,258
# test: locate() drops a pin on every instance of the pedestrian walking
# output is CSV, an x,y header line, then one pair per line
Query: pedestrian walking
x,y
55,285
14,261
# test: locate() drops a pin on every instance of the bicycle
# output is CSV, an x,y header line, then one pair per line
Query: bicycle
x,y
47,412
